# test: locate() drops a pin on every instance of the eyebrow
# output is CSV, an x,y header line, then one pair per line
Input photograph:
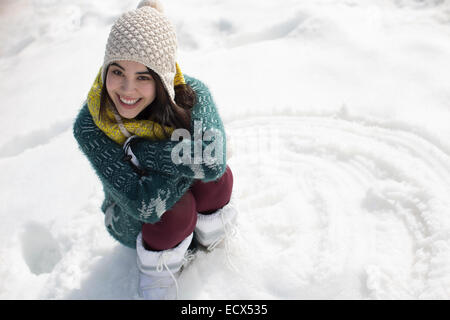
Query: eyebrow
x,y
118,65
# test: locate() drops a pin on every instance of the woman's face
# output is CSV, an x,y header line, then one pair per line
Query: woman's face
x,y
130,86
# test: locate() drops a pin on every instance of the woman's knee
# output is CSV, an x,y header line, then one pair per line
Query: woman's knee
x,y
213,195
173,227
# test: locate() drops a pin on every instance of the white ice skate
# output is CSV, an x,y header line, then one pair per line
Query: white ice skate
x,y
212,229
159,270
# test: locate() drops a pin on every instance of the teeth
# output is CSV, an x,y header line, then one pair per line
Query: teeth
x,y
126,101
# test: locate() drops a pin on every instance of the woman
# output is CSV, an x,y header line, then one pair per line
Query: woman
x,y
155,201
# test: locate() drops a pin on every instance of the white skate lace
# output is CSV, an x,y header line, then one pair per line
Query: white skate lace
x,y
188,257
230,231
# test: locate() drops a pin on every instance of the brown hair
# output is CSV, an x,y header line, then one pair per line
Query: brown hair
x,y
162,110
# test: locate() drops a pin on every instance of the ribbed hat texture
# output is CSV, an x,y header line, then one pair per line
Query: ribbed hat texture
x,y
146,36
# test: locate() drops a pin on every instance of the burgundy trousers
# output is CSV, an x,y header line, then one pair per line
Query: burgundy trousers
x,y
179,222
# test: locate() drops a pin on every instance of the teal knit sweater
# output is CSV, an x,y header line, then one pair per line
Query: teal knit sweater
x,y
132,199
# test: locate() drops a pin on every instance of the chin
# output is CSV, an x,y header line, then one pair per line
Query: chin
x,y
127,115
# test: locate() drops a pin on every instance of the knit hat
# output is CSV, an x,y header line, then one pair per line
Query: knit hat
x,y
146,36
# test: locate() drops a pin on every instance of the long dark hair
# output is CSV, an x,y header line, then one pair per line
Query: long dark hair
x,y
162,110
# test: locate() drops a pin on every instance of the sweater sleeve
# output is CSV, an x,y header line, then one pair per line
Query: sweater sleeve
x,y
205,147
145,198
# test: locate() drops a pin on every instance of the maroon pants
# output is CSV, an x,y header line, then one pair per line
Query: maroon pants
x,y
179,222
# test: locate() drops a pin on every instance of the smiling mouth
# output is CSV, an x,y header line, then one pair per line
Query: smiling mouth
x,y
128,102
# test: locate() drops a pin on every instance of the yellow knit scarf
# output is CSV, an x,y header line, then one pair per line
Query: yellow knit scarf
x,y
118,128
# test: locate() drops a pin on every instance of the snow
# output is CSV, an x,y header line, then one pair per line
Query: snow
x,y
337,112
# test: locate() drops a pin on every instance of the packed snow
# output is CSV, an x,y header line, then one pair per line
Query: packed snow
x,y
337,113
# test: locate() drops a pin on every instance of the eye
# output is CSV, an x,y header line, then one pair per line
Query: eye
x,y
116,72
144,78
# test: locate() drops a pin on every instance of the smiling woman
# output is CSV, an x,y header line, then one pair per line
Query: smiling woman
x,y
139,98
126,81
130,87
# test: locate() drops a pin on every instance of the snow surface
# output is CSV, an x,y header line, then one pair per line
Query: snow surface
x,y
338,114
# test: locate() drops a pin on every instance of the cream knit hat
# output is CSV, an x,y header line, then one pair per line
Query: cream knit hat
x,y
146,36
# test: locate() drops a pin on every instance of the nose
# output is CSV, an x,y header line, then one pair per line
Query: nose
x,y
127,85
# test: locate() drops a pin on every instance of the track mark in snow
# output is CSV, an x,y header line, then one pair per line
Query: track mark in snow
x,y
356,196
276,31
24,142
39,248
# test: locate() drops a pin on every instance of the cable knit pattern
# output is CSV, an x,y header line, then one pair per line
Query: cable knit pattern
x,y
130,199
157,154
